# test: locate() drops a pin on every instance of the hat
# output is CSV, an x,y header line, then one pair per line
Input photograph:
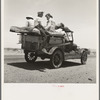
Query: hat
x,y
49,15
29,17
40,13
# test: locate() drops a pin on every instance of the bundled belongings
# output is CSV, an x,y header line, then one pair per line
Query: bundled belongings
x,y
17,29
35,27
63,27
23,30
29,27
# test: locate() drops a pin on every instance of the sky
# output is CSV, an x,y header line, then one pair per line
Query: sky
x,y
78,15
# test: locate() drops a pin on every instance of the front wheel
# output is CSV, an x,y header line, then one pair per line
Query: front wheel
x,y
56,59
84,57
30,57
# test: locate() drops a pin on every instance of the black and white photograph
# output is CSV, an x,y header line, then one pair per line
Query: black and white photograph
x,y
50,42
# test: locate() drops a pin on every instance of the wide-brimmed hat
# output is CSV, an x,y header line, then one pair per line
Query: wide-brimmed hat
x,y
49,15
29,17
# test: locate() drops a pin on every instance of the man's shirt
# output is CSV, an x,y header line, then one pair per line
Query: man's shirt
x,y
50,25
30,23
38,21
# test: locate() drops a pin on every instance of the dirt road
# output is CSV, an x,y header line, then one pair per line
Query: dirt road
x,y
16,70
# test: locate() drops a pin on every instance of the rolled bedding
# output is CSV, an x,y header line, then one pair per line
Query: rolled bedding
x,y
31,31
56,34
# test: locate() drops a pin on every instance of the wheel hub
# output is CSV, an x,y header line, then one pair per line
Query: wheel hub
x,y
31,56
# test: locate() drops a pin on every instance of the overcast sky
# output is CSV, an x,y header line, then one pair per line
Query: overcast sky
x,y
79,15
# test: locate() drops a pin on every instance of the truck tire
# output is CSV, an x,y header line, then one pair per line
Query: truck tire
x,y
84,57
30,57
56,59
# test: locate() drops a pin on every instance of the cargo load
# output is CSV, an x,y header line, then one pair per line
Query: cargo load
x,y
30,31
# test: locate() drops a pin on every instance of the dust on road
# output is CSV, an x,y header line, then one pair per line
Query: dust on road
x,y
16,70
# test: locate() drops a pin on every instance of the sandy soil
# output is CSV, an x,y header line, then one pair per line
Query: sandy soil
x,y
16,70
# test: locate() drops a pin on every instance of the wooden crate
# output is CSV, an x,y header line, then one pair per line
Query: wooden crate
x,y
31,42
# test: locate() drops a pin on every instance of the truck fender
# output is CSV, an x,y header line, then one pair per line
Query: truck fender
x,y
82,50
50,52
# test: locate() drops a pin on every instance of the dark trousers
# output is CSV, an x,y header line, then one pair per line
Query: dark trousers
x,y
42,30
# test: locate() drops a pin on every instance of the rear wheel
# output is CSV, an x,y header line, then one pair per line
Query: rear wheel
x,y
56,59
30,57
84,57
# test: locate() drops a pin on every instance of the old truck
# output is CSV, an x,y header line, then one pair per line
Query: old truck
x,y
57,49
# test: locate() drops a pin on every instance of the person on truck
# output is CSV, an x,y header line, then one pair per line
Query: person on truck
x,y
30,21
29,26
50,25
38,23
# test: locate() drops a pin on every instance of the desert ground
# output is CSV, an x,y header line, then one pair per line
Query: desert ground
x,y
17,70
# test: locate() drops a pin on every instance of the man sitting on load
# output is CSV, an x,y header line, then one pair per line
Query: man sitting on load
x,y
38,24
50,26
53,29
40,27
28,27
